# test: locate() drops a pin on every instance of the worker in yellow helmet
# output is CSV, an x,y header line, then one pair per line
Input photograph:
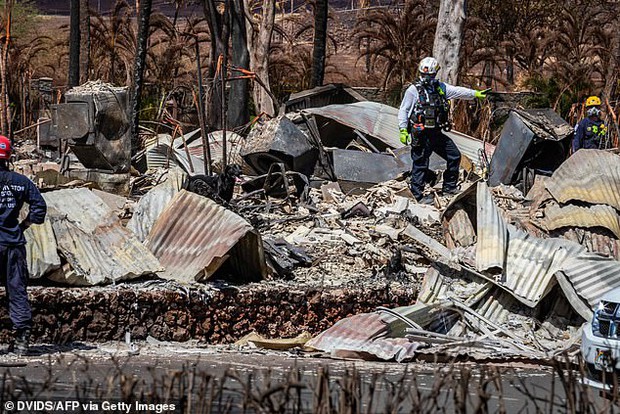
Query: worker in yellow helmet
x,y
590,131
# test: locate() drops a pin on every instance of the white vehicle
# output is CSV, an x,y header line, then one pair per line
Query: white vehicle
x,y
600,343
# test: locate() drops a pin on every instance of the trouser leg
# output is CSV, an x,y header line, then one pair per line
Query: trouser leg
x,y
447,149
420,156
16,284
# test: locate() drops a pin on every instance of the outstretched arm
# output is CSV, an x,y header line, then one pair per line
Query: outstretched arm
x,y
459,92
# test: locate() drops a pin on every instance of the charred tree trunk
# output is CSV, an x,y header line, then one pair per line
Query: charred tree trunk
x,y
319,51
5,111
611,78
74,44
144,16
448,38
238,113
219,28
84,41
260,43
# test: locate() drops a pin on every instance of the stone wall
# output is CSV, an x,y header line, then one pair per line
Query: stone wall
x,y
64,315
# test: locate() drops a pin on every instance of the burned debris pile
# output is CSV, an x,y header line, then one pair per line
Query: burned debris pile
x,y
322,227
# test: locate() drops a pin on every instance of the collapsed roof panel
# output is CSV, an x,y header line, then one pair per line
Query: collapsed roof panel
x,y
364,333
374,119
41,250
194,236
592,176
93,241
599,215
151,205
161,152
380,122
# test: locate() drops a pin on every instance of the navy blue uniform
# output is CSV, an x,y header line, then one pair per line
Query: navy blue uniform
x,y
431,139
589,134
15,190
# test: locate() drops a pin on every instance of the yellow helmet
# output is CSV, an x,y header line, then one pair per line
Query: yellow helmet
x,y
593,101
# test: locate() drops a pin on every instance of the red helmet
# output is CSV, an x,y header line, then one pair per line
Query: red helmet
x,y
5,148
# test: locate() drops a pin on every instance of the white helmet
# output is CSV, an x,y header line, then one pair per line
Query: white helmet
x,y
428,66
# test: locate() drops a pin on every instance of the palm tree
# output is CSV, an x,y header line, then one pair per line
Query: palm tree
x,y
396,38
113,45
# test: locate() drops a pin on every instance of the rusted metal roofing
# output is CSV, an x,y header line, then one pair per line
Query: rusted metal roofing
x,y
593,241
154,202
588,175
93,241
194,236
575,216
471,147
364,333
41,250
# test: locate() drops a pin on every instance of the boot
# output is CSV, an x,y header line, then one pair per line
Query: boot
x,y
21,342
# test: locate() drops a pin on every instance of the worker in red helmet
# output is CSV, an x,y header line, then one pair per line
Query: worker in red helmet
x,y
15,190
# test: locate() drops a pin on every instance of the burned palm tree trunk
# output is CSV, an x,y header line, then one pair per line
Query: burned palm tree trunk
x,y
144,17
319,51
260,41
74,44
84,40
5,113
448,38
219,28
238,113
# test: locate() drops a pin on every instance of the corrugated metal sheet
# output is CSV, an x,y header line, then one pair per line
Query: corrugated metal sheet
x,y
381,121
530,264
41,250
93,241
470,146
160,155
194,236
154,202
367,333
575,216
492,231
606,245
592,176
321,96
527,263
592,275
372,118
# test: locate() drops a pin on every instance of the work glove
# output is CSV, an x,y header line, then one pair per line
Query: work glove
x,y
482,94
405,138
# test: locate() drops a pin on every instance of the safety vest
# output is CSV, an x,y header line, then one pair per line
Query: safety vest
x,y
432,109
